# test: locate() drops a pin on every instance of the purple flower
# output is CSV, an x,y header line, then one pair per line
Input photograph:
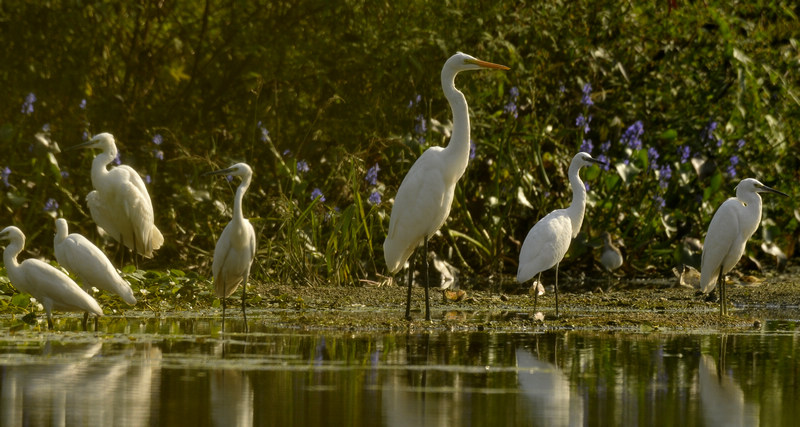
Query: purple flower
x,y
710,130
420,127
587,146
264,132
471,149
5,173
587,95
158,139
514,92
46,127
632,137
148,179
659,201
117,160
734,160
732,167
684,151
27,106
664,175
302,166
82,105
652,156
583,122
287,152
51,205
372,175
604,147
158,154
603,158
586,185
511,109
374,198
64,174
562,88
740,144
317,194
85,136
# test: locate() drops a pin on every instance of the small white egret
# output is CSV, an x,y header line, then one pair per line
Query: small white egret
x,y
120,204
50,286
549,239
734,222
611,259
85,260
236,247
423,200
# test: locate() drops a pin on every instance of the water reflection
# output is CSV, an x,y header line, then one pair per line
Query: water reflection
x,y
164,375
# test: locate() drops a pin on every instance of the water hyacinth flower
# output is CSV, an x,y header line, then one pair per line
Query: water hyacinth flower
x,y
587,95
64,174
420,128
664,175
732,166
659,201
709,131
148,179
372,175
652,156
82,105
632,137
27,106
583,122
740,144
374,198
412,103
51,205
117,160
606,163
5,174
511,107
317,194
158,154
302,166
472,148
264,133
684,151
587,146
158,139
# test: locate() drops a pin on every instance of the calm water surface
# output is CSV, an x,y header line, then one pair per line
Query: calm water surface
x,y
181,372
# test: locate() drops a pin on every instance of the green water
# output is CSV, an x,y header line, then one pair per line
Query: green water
x,y
180,372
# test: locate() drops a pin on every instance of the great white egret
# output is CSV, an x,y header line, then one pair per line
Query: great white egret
x,y
734,222
50,286
85,260
120,204
549,239
236,247
423,200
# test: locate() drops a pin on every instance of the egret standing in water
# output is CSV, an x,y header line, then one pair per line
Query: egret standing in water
x,y
733,223
423,200
611,259
236,247
549,239
50,286
85,260
120,204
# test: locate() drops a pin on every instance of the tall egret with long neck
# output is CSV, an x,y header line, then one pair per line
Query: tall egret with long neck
x,y
50,286
120,204
423,200
549,239
85,260
236,247
732,225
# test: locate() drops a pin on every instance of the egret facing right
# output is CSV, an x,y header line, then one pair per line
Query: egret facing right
x,y
120,204
549,239
730,228
236,247
423,200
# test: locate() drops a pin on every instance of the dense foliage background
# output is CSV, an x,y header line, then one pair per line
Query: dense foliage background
x,y
684,100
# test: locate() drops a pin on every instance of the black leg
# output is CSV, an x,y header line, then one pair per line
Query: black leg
x,y
85,319
557,290
49,321
244,313
536,292
427,283
723,294
410,283
223,315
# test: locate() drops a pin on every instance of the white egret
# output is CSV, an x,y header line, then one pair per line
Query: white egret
x,y
85,260
50,286
611,258
423,200
733,223
549,239
120,204
236,247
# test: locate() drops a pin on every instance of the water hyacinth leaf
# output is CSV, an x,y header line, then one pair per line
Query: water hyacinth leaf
x,y
21,300
669,134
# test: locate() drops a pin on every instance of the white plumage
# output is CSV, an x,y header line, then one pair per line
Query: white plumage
x,y
85,260
549,239
120,204
423,200
51,287
730,228
236,247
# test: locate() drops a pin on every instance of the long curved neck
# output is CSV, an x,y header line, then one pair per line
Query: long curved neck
x,y
752,202
458,148
10,255
577,208
237,199
99,165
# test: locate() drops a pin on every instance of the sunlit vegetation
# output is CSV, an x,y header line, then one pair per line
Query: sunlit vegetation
x,y
332,101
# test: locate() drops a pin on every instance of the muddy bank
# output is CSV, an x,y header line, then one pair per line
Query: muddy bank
x,y
633,305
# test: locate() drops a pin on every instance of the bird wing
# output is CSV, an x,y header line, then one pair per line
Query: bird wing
x,y
233,256
80,256
55,289
545,245
720,240
421,206
130,193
